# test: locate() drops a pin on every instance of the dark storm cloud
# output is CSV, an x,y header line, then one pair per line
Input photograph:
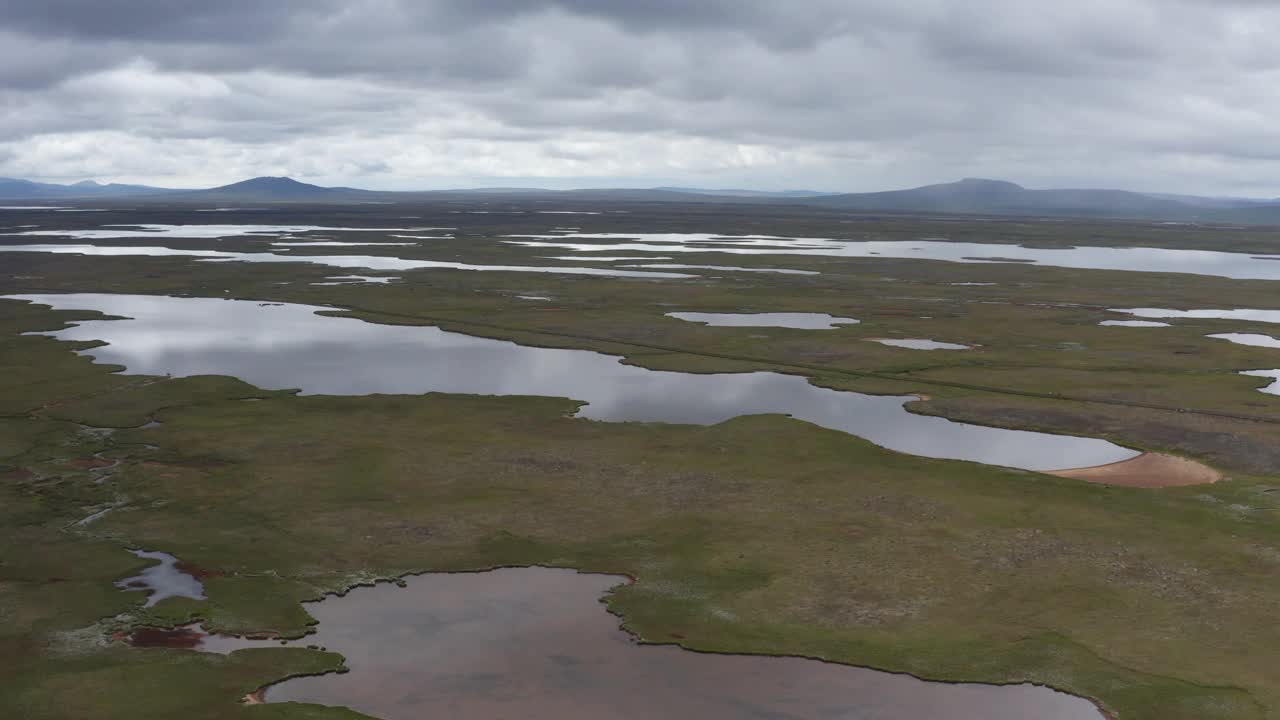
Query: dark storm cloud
x,y
853,93
161,20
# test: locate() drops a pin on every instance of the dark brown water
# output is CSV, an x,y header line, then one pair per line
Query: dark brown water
x,y
537,644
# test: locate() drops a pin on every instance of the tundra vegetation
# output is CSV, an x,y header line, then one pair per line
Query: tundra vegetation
x,y
757,535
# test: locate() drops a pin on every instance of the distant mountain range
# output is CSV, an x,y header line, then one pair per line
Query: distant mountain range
x,y
969,196
998,197
14,189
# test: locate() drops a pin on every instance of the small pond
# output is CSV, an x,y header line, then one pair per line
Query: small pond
x,y
920,344
1254,339
359,280
162,580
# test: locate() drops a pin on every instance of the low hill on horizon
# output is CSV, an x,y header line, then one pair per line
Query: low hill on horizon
x,y
17,189
268,188
999,197
973,196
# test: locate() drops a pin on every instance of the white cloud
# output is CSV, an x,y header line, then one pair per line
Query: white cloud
x,y
1171,95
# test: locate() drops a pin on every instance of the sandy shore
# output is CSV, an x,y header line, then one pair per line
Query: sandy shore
x,y
1149,470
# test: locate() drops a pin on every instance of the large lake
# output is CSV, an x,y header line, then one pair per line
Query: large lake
x,y
279,346
585,245
1199,262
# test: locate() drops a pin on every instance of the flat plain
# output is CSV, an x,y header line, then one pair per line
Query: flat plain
x,y
760,534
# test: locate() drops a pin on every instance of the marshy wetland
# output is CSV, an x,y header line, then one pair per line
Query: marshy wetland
x,y
277,433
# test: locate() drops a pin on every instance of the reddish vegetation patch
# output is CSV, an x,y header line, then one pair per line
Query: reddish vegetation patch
x,y
183,638
17,474
1149,470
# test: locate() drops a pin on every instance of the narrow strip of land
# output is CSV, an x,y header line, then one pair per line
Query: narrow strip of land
x,y
434,319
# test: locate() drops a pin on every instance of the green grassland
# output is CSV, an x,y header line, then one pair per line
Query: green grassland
x,y
759,535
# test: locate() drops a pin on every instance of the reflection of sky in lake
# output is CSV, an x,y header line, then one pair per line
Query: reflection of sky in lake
x,y
163,580
920,344
537,644
1200,262
1273,388
289,346
108,232
1248,339
802,321
1252,339
1257,340
1266,316
343,261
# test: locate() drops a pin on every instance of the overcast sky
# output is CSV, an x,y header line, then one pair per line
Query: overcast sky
x,y
1170,95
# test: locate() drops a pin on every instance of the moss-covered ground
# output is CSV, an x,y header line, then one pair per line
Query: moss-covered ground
x,y
760,534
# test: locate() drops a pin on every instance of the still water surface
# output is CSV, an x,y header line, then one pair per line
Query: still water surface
x,y
921,344
279,346
1200,262
1133,323
163,580
1250,315
108,232
1273,375
536,644
368,262
1254,339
